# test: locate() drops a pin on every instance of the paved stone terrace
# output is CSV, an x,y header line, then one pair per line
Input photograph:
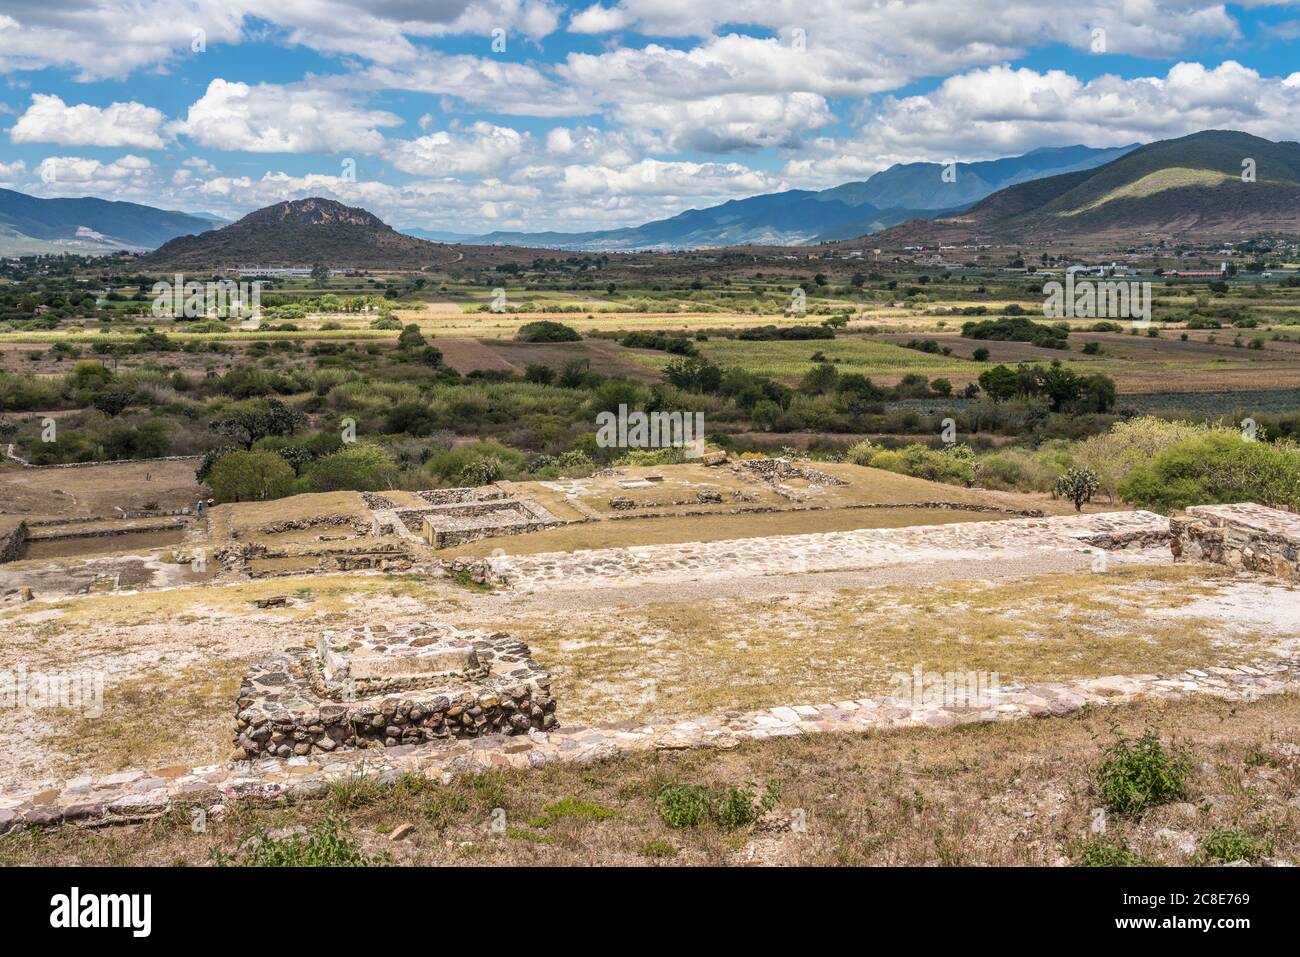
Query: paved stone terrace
x,y
134,795
828,551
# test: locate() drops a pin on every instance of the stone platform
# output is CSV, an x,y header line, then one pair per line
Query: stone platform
x,y
372,687
1246,536
140,794
829,551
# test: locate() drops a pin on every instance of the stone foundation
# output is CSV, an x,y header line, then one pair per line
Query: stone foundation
x,y
379,688
456,523
12,541
1248,536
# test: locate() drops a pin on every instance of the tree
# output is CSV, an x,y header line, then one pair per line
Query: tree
x,y
410,339
319,274
1079,486
250,421
694,374
999,383
112,402
250,477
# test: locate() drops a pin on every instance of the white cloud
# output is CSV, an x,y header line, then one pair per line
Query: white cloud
x,y
931,35
1003,111
725,124
11,174
50,120
127,176
280,119
484,149
114,38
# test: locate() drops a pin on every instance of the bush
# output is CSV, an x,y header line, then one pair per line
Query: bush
x,y
250,477
1017,329
1217,468
326,844
360,467
1134,775
546,331
860,453
690,805
1099,852
1224,845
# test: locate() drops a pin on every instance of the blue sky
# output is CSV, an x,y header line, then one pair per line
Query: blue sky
x,y
474,115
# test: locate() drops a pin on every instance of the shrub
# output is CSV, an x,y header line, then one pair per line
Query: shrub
x,y
860,453
1217,468
1017,329
1099,852
411,338
546,331
250,477
690,805
683,805
1224,845
360,467
539,374
326,844
1136,774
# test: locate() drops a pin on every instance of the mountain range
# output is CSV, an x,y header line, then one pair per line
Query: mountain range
x,y
800,217
31,226
1216,184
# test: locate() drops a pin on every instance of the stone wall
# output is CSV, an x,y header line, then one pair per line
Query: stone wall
x,y
381,688
12,541
14,457
1246,536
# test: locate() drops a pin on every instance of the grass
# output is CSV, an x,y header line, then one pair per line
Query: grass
x,y
175,716
326,844
1001,794
787,360
703,654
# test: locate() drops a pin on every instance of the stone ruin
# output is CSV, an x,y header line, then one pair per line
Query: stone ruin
x,y
455,516
1246,535
379,687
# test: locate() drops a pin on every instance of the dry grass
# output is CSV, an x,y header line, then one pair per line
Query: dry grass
x,y
1007,794
708,528
246,517
162,718
95,490
699,657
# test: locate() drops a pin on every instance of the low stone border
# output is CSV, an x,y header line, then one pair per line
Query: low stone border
x,y
135,795
1247,536
14,457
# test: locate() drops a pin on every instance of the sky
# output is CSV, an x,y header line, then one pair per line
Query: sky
x,y
469,116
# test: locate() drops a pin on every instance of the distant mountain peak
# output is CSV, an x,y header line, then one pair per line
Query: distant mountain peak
x,y
299,232
315,211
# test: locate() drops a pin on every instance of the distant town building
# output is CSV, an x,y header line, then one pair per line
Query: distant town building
x,y
276,271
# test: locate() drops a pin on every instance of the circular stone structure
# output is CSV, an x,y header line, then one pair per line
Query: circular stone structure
x,y
380,687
